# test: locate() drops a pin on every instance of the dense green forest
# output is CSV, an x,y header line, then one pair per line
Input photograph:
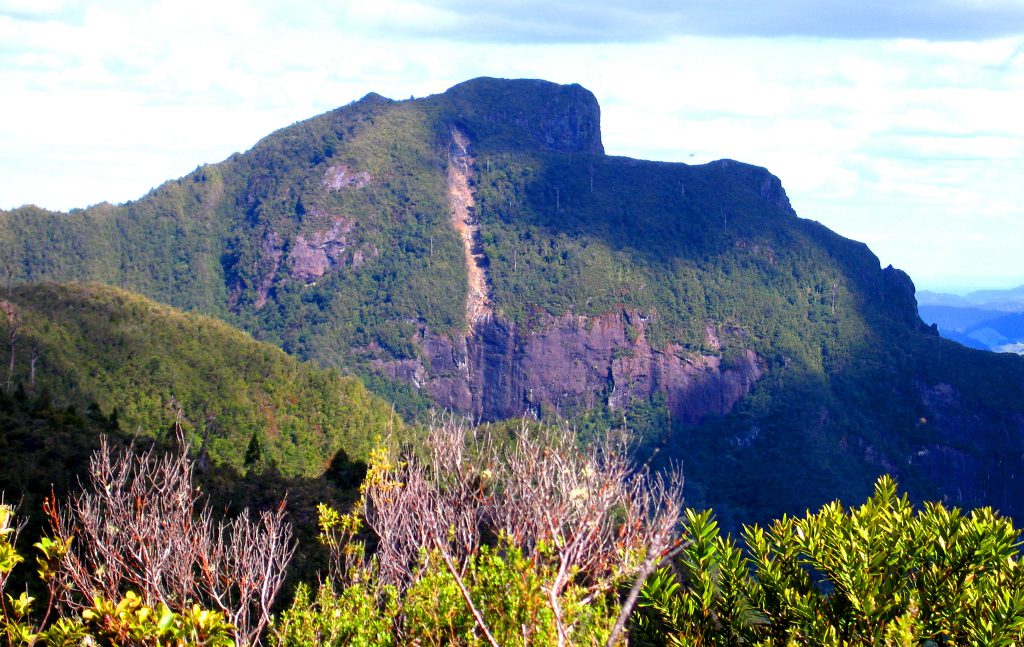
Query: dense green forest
x,y
149,368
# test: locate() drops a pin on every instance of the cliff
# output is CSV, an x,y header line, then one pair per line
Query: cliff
x,y
524,114
572,364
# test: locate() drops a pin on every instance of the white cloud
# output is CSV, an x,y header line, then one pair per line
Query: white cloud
x,y
887,141
590,21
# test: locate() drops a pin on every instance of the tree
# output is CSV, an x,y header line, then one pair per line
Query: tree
x,y
9,270
14,326
253,452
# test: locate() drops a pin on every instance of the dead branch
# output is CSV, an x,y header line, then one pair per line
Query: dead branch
x,y
140,525
604,522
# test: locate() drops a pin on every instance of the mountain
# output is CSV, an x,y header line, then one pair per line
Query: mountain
x,y
1011,300
142,367
986,319
477,249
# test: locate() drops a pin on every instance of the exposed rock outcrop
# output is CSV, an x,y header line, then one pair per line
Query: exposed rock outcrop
x,y
341,177
312,255
530,113
572,363
270,259
467,224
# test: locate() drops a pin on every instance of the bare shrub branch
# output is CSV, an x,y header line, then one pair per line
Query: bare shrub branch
x,y
411,503
139,525
599,520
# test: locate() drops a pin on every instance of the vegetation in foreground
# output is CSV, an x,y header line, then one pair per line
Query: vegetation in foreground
x,y
518,538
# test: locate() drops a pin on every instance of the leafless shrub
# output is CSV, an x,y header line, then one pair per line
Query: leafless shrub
x,y
140,525
421,500
603,520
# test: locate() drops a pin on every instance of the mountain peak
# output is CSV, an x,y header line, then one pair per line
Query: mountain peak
x,y
373,97
525,113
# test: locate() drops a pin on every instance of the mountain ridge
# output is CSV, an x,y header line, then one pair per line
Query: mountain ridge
x,y
688,301
1009,300
97,348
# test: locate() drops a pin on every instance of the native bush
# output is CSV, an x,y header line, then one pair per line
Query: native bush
x,y
488,543
880,573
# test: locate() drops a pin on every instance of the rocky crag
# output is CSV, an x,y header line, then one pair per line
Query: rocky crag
x,y
572,364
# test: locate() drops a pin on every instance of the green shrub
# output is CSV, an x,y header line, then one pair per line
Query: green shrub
x,y
356,616
881,573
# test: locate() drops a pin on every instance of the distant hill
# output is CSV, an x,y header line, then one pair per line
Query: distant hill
x,y
987,319
110,353
478,250
1011,300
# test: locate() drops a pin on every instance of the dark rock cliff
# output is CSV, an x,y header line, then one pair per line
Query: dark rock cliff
x,y
947,456
526,113
573,363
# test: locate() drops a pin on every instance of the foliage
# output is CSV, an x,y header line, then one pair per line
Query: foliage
x,y
131,622
457,529
877,574
162,369
354,616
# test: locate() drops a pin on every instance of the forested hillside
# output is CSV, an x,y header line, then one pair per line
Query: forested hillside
x,y
773,357
145,368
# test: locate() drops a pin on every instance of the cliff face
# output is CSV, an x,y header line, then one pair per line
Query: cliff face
x,y
573,363
526,113
954,430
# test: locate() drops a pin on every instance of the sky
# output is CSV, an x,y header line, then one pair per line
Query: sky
x,y
894,122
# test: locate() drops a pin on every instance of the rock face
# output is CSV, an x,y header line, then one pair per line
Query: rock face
x,y
572,363
340,177
311,256
950,459
900,293
271,248
530,113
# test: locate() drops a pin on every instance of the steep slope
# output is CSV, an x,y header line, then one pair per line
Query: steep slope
x,y
149,366
477,249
